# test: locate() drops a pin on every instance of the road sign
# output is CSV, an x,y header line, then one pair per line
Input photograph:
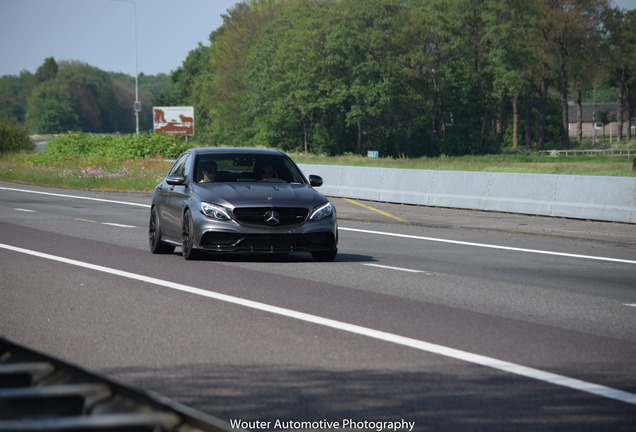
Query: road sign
x,y
173,120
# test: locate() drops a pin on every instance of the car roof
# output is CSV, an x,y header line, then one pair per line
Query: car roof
x,y
237,150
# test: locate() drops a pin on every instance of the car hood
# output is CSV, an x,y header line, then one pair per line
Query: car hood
x,y
256,194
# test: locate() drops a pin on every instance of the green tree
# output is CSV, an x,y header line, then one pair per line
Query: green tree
x,y
414,99
566,26
620,44
464,79
181,92
47,71
225,82
14,137
400,76
82,98
14,91
92,96
50,109
292,87
366,30
509,25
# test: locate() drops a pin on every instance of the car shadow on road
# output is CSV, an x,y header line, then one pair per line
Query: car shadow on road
x,y
294,257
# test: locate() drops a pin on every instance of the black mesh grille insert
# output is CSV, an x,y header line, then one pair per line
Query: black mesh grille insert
x,y
238,242
268,216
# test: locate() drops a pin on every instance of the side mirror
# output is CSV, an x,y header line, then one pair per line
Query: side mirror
x,y
315,180
176,179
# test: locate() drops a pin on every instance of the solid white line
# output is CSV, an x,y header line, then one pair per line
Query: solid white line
x,y
463,243
75,196
25,210
394,268
118,225
536,374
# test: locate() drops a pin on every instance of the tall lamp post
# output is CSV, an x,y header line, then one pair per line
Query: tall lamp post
x,y
137,105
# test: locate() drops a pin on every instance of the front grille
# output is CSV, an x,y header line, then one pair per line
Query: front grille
x,y
271,216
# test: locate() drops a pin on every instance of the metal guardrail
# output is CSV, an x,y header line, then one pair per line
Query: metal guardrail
x,y
591,152
41,393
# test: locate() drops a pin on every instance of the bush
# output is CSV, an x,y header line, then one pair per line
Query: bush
x,y
14,137
77,145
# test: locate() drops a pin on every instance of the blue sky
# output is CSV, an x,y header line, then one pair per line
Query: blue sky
x,y
101,32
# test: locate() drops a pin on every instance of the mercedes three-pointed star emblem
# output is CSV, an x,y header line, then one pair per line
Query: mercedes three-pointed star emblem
x,y
272,217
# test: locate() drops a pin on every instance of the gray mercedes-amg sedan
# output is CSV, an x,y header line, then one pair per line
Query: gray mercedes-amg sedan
x,y
241,200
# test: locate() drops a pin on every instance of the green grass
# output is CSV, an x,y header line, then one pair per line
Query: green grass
x,y
143,174
530,163
134,175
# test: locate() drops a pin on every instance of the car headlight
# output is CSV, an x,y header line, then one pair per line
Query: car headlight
x,y
321,212
214,211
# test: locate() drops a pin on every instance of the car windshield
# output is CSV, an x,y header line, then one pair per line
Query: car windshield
x,y
242,167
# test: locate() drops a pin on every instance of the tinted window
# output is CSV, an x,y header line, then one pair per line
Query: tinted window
x,y
245,167
181,166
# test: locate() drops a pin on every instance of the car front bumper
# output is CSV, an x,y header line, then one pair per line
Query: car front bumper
x,y
230,236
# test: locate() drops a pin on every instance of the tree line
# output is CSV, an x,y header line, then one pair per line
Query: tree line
x,y
403,77
74,96
407,77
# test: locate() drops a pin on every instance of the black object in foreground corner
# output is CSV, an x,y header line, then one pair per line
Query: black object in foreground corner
x,y
39,392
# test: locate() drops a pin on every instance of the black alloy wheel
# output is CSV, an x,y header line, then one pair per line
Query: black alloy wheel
x,y
154,236
187,233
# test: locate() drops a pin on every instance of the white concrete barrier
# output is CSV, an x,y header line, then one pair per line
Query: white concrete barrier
x,y
581,197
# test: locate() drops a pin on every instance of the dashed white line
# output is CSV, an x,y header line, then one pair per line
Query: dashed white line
x,y
508,367
394,268
464,243
105,223
24,210
457,242
118,225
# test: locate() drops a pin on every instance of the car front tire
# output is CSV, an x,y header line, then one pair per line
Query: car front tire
x,y
187,246
154,235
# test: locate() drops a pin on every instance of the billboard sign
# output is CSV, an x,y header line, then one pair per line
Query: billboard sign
x,y
173,120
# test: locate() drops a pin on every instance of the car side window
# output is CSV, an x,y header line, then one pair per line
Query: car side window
x,y
187,165
181,166
289,172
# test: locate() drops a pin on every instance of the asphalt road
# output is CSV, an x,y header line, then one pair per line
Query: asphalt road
x,y
454,320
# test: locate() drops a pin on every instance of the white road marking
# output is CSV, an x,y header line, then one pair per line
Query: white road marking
x,y
79,197
74,196
394,268
457,242
463,243
118,225
513,368
629,304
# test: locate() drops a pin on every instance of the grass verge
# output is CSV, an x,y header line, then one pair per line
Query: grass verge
x,y
143,174
518,163
134,175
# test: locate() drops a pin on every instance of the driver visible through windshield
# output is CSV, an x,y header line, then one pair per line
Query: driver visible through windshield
x,y
246,168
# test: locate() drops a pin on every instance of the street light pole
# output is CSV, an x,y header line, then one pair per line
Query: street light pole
x,y
137,105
